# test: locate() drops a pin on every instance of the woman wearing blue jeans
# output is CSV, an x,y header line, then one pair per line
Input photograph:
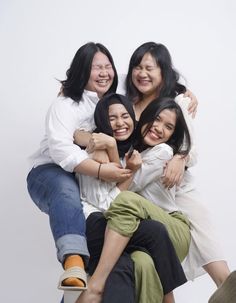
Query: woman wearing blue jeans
x,y
51,181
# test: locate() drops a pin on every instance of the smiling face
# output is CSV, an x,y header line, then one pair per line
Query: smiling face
x,y
101,76
121,122
147,77
161,130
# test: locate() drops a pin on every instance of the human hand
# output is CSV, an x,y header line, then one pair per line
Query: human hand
x,y
81,137
174,171
193,104
100,141
113,172
134,161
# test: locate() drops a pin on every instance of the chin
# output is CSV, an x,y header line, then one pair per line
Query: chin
x,y
120,139
102,91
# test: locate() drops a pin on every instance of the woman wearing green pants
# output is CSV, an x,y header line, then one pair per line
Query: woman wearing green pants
x,y
124,216
160,122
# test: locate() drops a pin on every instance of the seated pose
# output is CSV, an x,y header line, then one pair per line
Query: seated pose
x,y
102,193
150,75
51,182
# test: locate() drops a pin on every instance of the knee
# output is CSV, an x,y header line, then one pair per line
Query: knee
x,y
143,261
152,227
125,196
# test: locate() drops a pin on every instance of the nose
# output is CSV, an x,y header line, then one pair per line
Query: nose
x,y
158,127
119,122
142,73
103,71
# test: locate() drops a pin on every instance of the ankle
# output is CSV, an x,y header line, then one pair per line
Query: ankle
x,y
73,260
169,298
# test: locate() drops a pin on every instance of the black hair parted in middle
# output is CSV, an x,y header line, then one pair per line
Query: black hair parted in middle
x,y
170,86
80,69
180,140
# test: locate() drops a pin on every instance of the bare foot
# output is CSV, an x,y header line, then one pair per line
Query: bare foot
x,y
90,296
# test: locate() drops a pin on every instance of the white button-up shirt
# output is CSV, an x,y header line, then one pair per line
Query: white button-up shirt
x,y
63,118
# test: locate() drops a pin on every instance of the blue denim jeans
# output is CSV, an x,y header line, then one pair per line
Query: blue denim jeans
x,y
56,193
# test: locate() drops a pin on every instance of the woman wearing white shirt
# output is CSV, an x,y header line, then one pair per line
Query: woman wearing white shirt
x,y
151,75
114,118
177,225
51,181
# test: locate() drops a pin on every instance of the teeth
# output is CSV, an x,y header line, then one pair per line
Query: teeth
x,y
102,81
144,81
120,131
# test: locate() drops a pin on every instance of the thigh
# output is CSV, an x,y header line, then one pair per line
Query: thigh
x,y
154,237
150,233
128,209
176,224
49,183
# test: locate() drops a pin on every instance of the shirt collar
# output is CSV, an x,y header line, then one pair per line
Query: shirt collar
x,y
89,93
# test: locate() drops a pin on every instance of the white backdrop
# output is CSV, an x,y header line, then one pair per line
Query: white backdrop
x,y
38,41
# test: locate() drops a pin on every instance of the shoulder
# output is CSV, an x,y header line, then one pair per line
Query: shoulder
x,y
62,105
164,150
161,151
66,102
62,102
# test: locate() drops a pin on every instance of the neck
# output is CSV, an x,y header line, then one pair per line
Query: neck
x,y
140,105
149,98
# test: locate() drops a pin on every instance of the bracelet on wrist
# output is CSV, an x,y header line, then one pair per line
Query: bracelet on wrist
x,y
99,168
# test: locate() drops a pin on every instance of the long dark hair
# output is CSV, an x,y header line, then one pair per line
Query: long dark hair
x,y
102,121
79,72
180,140
171,87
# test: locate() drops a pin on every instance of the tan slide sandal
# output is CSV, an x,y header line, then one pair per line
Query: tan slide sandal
x,y
73,272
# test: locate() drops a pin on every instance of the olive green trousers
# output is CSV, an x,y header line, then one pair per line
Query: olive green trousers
x,y
124,216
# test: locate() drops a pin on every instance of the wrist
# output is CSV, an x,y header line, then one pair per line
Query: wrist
x,y
181,157
111,143
99,171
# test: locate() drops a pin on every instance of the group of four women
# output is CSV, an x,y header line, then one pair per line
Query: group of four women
x,y
131,247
